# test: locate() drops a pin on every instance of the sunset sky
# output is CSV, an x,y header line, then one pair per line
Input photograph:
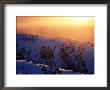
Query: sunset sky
x,y
76,28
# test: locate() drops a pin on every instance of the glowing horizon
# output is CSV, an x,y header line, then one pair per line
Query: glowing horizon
x,y
78,28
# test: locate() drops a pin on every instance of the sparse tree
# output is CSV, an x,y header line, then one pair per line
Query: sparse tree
x,y
80,59
20,55
47,54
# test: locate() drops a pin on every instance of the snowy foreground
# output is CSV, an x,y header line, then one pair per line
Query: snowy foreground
x,y
40,55
24,67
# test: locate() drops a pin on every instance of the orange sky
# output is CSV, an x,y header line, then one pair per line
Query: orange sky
x,y
78,28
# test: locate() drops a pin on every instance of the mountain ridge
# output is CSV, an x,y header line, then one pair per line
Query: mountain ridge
x,y
59,53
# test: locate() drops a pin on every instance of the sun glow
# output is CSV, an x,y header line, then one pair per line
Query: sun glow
x,y
78,28
80,20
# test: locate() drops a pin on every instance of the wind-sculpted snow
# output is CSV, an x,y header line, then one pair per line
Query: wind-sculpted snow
x,y
73,56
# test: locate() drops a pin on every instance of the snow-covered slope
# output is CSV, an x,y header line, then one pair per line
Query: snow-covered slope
x,y
56,52
24,67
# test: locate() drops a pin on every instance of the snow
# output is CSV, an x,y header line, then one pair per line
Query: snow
x,y
26,68
28,50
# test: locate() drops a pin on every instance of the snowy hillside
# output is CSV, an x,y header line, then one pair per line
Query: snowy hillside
x,y
67,56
